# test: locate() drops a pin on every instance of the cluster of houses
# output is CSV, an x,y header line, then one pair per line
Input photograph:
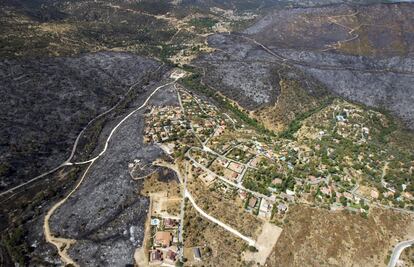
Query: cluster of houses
x,y
359,132
264,207
164,249
321,188
239,156
391,192
164,124
229,169
222,146
194,105
219,166
205,118
168,127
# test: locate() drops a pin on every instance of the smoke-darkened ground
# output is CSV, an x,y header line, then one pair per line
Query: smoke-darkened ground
x,y
106,215
247,67
45,104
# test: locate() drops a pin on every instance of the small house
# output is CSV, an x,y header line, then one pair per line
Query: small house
x,y
282,208
163,239
252,202
170,223
277,181
171,256
374,194
156,256
197,254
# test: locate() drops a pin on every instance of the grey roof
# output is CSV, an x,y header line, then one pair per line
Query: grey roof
x,y
197,252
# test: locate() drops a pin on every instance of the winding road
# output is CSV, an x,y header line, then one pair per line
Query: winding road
x,y
62,244
68,162
398,250
187,194
214,220
288,62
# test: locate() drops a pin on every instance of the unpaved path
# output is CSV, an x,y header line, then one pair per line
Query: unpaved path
x,y
249,240
75,145
398,250
187,194
62,244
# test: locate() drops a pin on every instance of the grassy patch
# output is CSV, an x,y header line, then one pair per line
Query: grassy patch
x,y
295,125
204,23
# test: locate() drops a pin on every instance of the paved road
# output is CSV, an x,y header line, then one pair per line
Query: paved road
x,y
398,250
62,244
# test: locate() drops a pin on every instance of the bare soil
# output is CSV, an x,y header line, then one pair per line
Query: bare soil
x,y
316,237
265,243
218,247
225,207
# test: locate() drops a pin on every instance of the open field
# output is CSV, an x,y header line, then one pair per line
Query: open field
x,y
317,237
168,185
265,243
218,247
165,195
227,207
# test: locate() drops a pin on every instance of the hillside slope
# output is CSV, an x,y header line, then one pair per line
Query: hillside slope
x,y
46,103
368,70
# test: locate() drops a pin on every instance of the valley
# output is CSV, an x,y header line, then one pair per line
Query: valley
x,y
204,133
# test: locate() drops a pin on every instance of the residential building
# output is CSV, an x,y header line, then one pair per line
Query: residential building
x,y
290,192
236,167
252,202
171,256
156,256
231,175
163,239
170,223
287,197
282,208
197,254
277,181
243,194
374,194
265,208
408,195
254,161
348,196
326,190
314,181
